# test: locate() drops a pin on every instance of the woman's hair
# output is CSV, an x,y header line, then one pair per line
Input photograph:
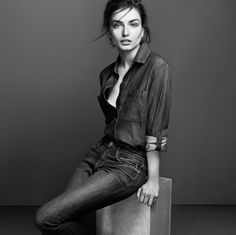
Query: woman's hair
x,y
113,6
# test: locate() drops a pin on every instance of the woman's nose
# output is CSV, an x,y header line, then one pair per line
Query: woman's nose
x,y
125,31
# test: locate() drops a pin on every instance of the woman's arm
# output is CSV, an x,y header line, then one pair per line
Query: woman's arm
x,y
149,191
156,130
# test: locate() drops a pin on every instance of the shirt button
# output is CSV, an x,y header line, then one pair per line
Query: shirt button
x,y
110,144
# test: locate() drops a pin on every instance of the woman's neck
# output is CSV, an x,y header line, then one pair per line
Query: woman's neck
x,y
127,57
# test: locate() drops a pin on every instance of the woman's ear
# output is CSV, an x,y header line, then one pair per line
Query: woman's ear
x,y
142,32
142,35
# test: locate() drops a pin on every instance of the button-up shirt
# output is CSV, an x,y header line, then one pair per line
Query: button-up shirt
x,y
143,104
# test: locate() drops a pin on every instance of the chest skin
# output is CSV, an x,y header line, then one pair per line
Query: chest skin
x,y
114,93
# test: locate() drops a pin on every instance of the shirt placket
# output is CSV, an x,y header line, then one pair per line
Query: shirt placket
x,y
123,91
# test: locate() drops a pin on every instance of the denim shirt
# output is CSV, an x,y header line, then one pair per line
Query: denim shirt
x,y
143,104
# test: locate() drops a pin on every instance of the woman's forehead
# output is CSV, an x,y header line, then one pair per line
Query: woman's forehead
x,y
126,15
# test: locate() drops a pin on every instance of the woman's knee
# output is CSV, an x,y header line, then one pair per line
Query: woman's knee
x,y
41,217
45,218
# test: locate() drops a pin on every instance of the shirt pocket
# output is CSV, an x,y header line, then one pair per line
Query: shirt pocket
x,y
135,106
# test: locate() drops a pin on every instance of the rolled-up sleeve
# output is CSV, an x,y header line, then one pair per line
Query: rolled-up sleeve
x,y
159,100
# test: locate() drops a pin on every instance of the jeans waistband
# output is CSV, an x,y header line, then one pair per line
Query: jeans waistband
x,y
124,145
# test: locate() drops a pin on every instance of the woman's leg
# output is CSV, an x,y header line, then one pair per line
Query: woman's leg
x,y
112,180
82,172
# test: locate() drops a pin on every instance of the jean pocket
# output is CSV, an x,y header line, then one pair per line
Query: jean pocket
x,y
132,160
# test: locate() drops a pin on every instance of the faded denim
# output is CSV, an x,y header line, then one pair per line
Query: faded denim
x,y
143,104
110,172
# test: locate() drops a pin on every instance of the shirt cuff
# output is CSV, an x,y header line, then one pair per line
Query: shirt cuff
x,y
158,140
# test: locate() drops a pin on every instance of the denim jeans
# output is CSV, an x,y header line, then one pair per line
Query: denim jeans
x,y
109,173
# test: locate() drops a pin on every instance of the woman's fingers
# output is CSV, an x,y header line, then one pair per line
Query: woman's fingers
x,y
146,198
142,196
139,192
151,200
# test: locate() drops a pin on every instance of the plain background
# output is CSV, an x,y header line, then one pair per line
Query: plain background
x,y
49,84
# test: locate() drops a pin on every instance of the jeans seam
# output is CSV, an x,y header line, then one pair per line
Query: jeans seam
x,y
133,166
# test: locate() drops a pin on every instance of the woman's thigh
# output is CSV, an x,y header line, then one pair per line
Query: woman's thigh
x,y
97,191
86,166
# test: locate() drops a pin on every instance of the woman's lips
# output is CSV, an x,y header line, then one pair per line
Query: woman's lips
x,y
125,41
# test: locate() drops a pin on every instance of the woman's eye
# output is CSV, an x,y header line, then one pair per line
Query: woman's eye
x,y
116,25
134,25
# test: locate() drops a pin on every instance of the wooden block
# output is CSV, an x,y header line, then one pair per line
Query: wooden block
x,y
130,217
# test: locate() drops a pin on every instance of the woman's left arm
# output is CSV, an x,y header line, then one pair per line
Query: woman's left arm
x,y
156,131
149,191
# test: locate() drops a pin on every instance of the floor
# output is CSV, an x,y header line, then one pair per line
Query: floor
x,y
186,220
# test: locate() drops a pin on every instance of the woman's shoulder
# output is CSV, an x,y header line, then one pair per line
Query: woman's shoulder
x,y
157,61
159,67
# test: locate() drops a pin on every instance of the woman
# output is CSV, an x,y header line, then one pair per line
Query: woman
x,y
135,99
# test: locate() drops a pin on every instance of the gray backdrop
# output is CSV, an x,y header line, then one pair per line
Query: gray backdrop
x,y
50,116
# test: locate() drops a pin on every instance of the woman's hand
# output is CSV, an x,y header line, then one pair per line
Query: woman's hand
x,y
148,192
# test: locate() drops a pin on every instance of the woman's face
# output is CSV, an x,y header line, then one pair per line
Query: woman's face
x,y
126,29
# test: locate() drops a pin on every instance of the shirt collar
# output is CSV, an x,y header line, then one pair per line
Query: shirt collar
x,y
141,56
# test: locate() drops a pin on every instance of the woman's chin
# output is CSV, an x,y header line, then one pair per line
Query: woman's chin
x,y
127,47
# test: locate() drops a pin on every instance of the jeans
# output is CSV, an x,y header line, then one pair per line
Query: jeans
x,y
109,173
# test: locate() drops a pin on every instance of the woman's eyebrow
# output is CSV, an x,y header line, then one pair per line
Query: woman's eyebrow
x,y
134,20
119,21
